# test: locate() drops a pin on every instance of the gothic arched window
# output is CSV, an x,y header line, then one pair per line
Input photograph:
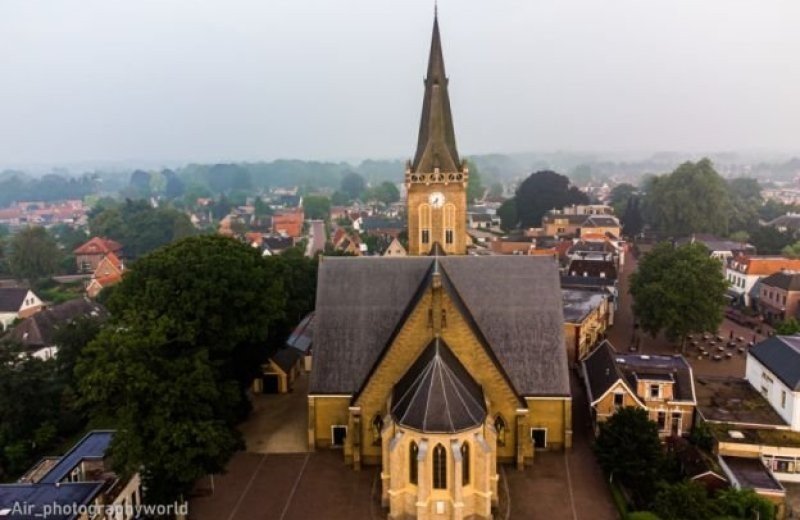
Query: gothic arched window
x,y
439,467
500,427
449,223
465,462
413,452
425,223
377,427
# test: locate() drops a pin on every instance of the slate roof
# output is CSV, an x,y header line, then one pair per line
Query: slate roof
x,y
783,280
39,330
513,303
437,394
601,221
584,246
781,356
751,473
286,358
376,223
436,145
604,366
11,298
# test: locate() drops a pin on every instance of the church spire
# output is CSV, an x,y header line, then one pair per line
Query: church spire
x,y
436,147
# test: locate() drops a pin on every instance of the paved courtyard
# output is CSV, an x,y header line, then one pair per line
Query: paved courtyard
x,y
278,423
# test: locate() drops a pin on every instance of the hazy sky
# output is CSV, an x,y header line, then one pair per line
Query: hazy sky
x,y
209,80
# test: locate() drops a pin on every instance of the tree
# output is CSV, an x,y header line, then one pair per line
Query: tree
x,y
317,207
692,199
508,214
174,187
629,450
170,372
339,198
788,327
475,189
495,191
140,184
683,501
34,255
678,290
744,503
542,192
769,241
632,220
353,185
745,196
620,195
386,193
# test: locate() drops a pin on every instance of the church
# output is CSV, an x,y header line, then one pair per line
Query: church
x,y
439,366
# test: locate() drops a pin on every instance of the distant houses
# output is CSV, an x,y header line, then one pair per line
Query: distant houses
x,y
89,254
17,303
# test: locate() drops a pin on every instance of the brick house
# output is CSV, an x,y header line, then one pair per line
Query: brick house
x,y
89,254
779,296
661,385
744,271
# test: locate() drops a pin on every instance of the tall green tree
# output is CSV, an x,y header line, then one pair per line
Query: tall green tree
x,y
541,192
678,290
508,215
33,255
692,199
744,503
632,220
170,372
353,185
629,450
475,189
317,207
386,193
683,501
745,196
619,196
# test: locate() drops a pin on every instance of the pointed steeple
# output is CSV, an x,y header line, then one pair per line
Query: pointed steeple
x,y
436,147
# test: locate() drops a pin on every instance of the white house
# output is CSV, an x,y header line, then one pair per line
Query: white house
x,y
16,303
743,272
773,368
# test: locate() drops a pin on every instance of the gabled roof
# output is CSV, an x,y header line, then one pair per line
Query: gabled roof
x,y
98,246
286,358
763,265
604,367
11,298
39,330
781,356
93,446
437,394
436,146
512,302
783,280
302,335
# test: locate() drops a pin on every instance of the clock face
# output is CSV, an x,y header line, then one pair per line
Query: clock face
x,y
436,199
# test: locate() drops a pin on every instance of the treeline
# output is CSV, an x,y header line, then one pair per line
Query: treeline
x,y
16,186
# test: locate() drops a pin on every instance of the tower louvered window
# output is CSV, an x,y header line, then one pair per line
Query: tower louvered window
x,y
425,223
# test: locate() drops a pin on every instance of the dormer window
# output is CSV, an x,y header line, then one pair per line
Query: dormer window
x,y
655,391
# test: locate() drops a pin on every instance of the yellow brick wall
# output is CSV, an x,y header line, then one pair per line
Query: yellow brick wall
x,y
454,193
555,415
328,411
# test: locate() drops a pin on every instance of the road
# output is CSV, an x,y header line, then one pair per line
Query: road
x,y
316,242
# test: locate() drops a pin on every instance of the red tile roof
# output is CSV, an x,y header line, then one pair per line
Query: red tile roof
x,y
98,246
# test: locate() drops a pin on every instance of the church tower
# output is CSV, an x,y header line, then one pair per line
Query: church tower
x,y
436,180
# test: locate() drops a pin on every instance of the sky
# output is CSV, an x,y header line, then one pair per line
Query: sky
x,y
246,80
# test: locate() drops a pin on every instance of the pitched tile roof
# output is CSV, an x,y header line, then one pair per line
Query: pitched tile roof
x,y
593,268
98,246
437,394
513,303
764,265
781,356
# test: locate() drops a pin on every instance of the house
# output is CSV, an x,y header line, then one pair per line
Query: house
x,y
89,254
587,315
347,243
606,225
37,333
663,386
288,222
302,338
379,226
593,269
275,244
744,271
395,249
17,303
279,373
81,479
773,368
720,248
108,272
480,220
779,296
789,222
